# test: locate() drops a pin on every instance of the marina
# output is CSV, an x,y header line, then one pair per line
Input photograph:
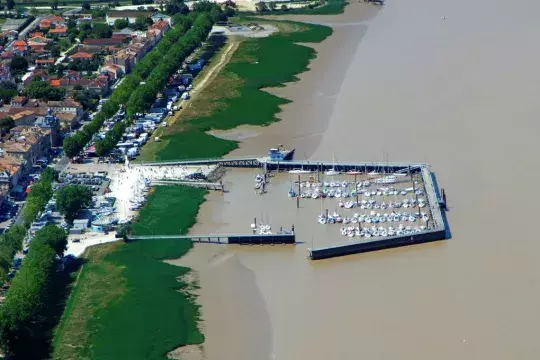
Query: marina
x,y
367,206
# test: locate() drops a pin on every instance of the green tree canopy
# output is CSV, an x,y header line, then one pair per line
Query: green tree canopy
x,y
100,30
54,237
121,24
72,198
18,64
6,123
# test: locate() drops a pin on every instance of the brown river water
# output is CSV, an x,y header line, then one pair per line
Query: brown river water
x,y
453,83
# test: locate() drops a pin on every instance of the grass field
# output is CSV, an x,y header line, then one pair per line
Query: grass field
x,y
126,303
235,97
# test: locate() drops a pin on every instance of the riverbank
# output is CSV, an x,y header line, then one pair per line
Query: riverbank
x,y
235,97
127,302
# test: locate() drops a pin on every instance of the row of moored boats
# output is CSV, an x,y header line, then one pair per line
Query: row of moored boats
x,y
373,217
381,231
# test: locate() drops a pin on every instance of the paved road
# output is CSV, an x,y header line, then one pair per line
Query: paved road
x,y
31,26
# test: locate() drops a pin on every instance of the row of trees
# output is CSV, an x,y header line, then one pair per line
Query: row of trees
x,y
25,321
10,244
40,194
143,96
73,145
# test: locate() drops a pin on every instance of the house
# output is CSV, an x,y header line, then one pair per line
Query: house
x,y
60,31
44,24
113,71
20,44
51,20
130,16
81,56
38,40
36,33
26,117
44,63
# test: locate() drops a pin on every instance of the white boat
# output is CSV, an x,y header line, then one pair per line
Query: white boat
x,y
299,171
331,172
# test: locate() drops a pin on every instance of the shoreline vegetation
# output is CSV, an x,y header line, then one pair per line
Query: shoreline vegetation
x,y
128,303
237,96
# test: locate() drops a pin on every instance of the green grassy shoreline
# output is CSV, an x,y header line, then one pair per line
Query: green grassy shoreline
x,y
128,303
238,98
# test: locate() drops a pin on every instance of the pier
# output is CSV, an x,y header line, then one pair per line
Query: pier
x,y
242,239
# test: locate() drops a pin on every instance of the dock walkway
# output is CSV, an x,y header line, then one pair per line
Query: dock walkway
x,y
252,239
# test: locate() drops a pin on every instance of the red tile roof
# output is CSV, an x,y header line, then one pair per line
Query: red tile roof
x,y
55,82
59,30
19,43
81,55
44,61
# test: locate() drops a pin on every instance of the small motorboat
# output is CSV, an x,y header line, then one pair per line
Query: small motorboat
x,y
291,193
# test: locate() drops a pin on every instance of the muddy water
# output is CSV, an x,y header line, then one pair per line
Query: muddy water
x,y
460,93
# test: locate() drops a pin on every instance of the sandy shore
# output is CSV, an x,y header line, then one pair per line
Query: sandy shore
x,y
459,93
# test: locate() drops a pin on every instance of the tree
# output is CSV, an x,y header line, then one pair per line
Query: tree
x,y
72,198
6,124
121,24
54,237
7,91
54,5
38,89
284,7
71,146
272,5
10,4
86,6
34,11
18,65
100,30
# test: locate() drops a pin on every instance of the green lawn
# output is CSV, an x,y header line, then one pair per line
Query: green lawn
x,y
235,96
126,303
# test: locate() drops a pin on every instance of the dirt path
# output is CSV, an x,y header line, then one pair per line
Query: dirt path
x,y
215,68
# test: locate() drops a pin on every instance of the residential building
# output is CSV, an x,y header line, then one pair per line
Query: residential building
x,y
113,71
51,20
103,42
60,31
130,16
26,117
81,56
44,63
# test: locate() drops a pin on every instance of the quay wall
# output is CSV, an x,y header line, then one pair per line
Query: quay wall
x,y
382,243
